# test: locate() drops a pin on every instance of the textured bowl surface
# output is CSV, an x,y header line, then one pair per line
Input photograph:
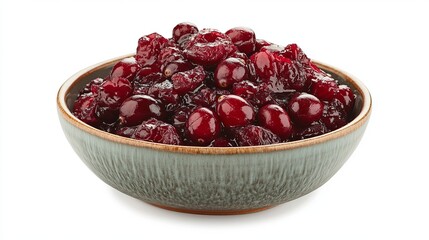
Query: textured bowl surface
x,y
211,180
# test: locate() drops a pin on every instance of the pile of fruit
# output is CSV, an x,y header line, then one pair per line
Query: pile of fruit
x,y
208,88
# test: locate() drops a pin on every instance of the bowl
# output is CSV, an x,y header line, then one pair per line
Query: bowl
x,y
207,180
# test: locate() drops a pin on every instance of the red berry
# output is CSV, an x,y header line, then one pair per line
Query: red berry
x,y
157,131
222,142
243,38
208,47
334,115
139,108
261,43
275,118
149,75
202,126
126,131
183,29
313,130
148,49
126,68
324,87
305,108
92,87
113,92
252,135
346,97
84,109
230,71
187,81
265,67
234,111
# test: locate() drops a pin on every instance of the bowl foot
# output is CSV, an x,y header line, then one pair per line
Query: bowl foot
x,y
213,212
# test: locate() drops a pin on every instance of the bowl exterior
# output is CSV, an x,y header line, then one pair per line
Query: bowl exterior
x,y
207,182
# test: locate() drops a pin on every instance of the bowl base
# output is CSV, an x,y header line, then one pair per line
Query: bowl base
x,y
213,212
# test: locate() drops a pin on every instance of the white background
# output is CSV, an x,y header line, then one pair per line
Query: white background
x,y
380,193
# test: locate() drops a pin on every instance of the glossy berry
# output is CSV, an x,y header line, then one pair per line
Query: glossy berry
x,y
234,111
324,88
84,109
261,43
92,87
148,49
208,47
252,135
157,131
314,129
176,66
243,38
164,92
230,71
182,29
187,81
126,68
264,64
113,92
305,108
149,75
139,108
202,126
334,115
346,97
275,118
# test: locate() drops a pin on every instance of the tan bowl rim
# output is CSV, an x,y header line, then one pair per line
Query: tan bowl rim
x,y
355,124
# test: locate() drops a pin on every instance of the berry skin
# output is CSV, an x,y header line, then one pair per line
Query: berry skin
x,y
346,97
113,92
252,135
208,47
315,129
126,68
202,126
324,87
305,108
275,118
84,109
230,71
92,87
183,29
334,115
139,108
187,81
148,49
243,38
234,111
157,131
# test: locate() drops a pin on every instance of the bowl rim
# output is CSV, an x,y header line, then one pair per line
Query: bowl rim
x,y
350,127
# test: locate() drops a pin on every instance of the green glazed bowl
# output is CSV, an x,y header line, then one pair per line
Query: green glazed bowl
x,y
208,180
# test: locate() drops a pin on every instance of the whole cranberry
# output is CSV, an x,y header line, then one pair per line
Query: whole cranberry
x,y
252,135
84,109
230,71
202,126
176,66
187,81
295,53
154,130
275,118
113,92
126,68
148,49
149,75
92,87
324,88
164,92
313,130
346,97
305,108
182,29
243,38
264,64
208,47
334,115
139,108
234,111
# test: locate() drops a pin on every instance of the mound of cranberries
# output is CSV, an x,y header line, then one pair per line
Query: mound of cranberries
x,y
208,88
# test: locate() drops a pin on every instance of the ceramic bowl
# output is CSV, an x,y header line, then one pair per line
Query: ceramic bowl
x,y
211,180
